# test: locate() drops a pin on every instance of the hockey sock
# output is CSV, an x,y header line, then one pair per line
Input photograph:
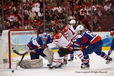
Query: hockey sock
x,y
57,62
86,60
109,52
71,56
80,54
104,56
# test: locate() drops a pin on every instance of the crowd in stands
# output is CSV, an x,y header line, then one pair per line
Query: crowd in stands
x,y
57,13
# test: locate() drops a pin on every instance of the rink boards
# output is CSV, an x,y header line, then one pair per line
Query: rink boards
x,y
106,38
55,50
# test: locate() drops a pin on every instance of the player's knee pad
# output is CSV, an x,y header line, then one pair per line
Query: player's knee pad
x,y
35,63
62,52
86,57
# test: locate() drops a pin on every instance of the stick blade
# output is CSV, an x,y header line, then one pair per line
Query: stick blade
x,y
17,53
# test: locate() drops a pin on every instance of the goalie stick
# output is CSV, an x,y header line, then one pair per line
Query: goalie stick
x,y
23,55
20,54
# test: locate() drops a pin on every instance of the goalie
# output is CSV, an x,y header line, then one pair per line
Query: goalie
x,y
36,48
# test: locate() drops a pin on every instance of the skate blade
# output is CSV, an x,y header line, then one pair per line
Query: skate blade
x,y
84,68
109,62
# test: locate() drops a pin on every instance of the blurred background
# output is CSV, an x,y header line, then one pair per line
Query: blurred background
x,y
44,15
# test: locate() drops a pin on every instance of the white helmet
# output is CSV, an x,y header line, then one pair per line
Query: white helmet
x,y
79,28
72,22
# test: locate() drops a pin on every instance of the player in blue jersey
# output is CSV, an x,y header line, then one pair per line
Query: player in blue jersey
x,y
38,45
112,44
89,43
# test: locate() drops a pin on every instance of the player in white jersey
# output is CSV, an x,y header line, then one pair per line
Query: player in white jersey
x,y
68,30
65,48
70,34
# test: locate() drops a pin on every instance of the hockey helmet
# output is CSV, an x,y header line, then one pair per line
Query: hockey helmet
x,y
44,35
79,28
72,22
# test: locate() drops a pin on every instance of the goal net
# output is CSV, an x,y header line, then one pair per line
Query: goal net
x,y
17,39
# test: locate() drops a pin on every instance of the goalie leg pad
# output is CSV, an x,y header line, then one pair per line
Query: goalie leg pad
x,y
49,55
62,52
35,63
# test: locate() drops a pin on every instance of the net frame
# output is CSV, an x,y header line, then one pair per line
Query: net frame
x,y
9,42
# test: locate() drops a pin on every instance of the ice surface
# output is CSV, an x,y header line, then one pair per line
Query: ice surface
x,y
97,68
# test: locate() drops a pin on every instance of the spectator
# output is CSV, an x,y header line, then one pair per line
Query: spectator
x,y
96,25
31,15
86,22
11,16
36,8
55,10
107,6
26,16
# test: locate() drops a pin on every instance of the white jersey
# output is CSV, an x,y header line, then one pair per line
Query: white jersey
x,y
69,32
37,5
61,41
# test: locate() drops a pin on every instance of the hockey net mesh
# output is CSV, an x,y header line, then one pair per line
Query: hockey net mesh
x,y
16,39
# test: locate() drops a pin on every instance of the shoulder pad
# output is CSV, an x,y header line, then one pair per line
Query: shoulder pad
x,y
65,29
58,35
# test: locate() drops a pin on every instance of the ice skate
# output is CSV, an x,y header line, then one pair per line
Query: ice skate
x,y
49,65
109,60
83,66
70,60
52,67
64,61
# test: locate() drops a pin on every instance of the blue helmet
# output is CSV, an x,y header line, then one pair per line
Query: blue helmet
x,y
44,35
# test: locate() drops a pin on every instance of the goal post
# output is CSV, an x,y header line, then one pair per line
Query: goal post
x,y
14,38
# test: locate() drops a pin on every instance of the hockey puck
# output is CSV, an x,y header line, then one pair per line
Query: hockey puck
x,y
12,71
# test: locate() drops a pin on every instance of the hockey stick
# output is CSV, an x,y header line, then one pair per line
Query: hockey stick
x,y
76,49
19,53
23,55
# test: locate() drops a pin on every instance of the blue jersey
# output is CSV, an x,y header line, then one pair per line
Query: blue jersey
x,y
40,41
36,43
86,38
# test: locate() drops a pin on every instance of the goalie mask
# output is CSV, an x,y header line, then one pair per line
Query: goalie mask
x,y
44,36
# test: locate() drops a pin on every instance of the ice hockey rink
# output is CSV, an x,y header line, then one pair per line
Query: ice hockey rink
x,y
98,67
